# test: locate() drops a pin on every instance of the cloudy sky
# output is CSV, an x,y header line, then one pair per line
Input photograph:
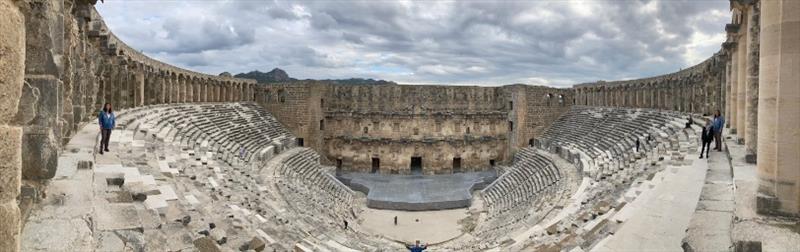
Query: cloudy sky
x,y
551,42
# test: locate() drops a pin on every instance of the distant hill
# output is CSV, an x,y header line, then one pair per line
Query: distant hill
x,y
278,75
360,81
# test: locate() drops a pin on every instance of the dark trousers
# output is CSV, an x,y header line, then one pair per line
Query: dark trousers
x,y
706,147
105,134
718,140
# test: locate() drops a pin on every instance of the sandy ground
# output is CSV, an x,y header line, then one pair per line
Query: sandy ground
x,y
433,226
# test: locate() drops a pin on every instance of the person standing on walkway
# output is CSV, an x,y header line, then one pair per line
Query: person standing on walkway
x,y
719,122
107,121
395,220
707,136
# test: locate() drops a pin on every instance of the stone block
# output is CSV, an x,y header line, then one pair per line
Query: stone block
x,y
748,246
206,244
44,25
750,158
10,162
9,226
47,108
12,66
41,153
26,111
116,216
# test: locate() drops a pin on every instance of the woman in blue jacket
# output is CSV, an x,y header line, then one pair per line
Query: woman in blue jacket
x,y
107,122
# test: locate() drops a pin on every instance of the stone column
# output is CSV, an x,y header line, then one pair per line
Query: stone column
x,y
728,84
215,91
751,104
169,88
119,87
741,73
12,74
130,99
202,87
189,93
138,85
734,94
160,98
181,88
109,85
779,109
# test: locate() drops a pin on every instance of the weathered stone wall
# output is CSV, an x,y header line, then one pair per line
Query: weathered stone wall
x,y
75,65
352,124
12,70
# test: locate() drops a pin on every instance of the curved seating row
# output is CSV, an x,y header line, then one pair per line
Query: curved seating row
x,y
198,146
303,178
527,187
238,132
606,137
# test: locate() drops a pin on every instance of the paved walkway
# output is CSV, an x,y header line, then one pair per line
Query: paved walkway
x,y
710,229
65,220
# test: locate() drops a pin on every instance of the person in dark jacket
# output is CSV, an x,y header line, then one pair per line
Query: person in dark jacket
x,y
416,247
707,137
107,122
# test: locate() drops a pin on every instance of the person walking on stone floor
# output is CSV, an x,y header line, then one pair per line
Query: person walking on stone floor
x,y
107,121
707,136
719,122
395,220
346,224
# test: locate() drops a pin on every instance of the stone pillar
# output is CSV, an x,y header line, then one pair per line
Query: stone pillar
x,y
741,73
130,88
734,94
177,88
138,85
751,102
728,84
181,88
779,109
215,91
12,74
110,81
168,88
189,88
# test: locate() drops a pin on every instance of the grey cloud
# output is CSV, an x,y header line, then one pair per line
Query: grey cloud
x,y
440,42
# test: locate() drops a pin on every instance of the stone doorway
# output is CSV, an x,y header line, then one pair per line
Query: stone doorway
x,y
376,165
456,165
416,165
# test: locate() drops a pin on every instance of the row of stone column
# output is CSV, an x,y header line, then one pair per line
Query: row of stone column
x,y
690,96
743,47
134,84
